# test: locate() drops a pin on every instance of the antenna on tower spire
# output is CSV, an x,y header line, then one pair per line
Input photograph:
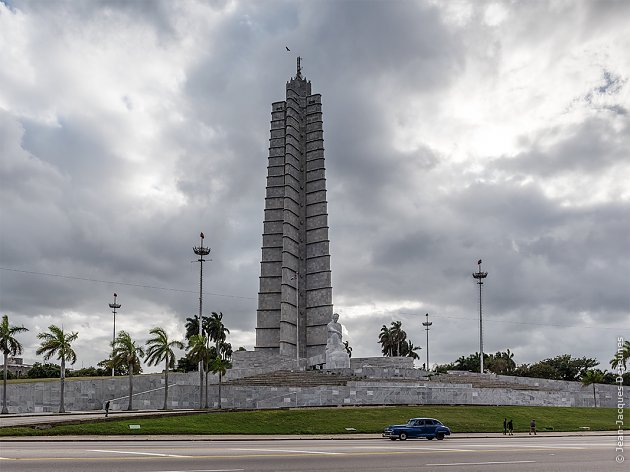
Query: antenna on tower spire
x,y
298,75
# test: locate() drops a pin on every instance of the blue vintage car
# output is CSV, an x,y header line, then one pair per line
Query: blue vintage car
x,y
417,428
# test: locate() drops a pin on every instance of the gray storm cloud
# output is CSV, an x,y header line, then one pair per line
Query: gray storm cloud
x,y
452,132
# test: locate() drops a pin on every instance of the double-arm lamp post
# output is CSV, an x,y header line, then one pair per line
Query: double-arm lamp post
x,y
201,251
426,325
479,276
114,306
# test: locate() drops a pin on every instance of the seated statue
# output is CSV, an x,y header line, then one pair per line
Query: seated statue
x,y
335,334
336,355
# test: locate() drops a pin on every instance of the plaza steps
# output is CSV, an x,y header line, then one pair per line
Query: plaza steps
x,y
314,378
480,381
287,378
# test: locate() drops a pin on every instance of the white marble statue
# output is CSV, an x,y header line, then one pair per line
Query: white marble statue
x,y
336,355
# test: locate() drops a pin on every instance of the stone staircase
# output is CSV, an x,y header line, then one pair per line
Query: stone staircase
x,y
288,378
315,378
479,381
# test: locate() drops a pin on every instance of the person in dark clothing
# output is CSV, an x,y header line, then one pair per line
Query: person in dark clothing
x,y
510,427
106,408
532,427
504,426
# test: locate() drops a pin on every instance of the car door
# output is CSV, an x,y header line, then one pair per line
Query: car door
x,y
430,427
418,429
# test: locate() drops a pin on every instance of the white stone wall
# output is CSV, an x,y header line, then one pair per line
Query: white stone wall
x,y
85,395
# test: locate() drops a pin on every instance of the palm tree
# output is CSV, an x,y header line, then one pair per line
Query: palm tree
x,y
225,351
192,325
220,366
385,338
192,329
127,352
215,328
58,342
592,377
218,333
509,357
160,348
392,339
409,350
398,336
621,357
220,361
199,352
9,347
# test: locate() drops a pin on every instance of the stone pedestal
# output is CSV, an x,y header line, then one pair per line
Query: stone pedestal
x,y
337,359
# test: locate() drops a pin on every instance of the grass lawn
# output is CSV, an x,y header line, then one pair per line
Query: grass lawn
x,y
461,419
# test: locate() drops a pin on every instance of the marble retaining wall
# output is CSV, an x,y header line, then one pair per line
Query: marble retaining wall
x,y
84,395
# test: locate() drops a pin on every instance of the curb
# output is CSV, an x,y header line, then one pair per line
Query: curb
x,y
241,438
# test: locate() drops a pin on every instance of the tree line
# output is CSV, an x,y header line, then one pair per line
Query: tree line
x,y
394,342
207,349
562,367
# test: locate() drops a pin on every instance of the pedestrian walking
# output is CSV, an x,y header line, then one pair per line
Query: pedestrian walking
x,y
510,427
532,427
106,408
504,426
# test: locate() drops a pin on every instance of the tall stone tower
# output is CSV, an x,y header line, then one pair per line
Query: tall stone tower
x,y
295,297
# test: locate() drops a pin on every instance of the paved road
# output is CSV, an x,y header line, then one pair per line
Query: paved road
x,y
523,453
29,419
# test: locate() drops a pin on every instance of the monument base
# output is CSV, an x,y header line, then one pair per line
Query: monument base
x,y
337,363
337,360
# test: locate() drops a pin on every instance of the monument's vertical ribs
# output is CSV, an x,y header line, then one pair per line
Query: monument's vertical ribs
x,y
292,232
319,308
268,328
295,297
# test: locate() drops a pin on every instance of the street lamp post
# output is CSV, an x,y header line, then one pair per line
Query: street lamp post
x,y
201,251
114,306
426,325
479,275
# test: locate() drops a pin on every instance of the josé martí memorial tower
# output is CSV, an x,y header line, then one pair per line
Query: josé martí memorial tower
x,y
295,296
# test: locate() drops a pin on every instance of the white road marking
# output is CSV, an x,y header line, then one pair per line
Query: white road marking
x,y
288,450
134,452
443,449
412,448
540,446
204,470
484,463
550,446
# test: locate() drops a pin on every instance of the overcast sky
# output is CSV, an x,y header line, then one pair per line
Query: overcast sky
x,y
454,131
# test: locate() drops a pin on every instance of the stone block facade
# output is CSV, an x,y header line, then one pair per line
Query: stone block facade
x,y
295,294
373,386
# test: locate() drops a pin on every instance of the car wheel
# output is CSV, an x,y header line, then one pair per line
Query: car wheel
x,y
393,439
403,436
440,436
429,438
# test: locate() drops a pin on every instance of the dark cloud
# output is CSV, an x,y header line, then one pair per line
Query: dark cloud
x,y
126,128
591,146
